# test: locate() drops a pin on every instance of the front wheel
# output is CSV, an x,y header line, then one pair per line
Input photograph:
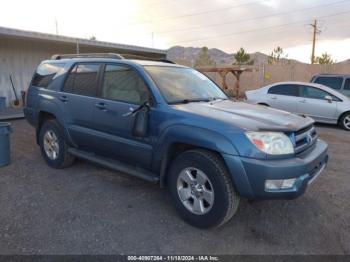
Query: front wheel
x,y
202,189
345,121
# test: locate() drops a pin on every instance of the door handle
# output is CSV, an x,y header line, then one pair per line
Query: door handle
x,y
302,101
101,106
63,99
274,97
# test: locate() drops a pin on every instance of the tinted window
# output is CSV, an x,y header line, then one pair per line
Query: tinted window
x,y
347,84
123,84
45,74
332,82
287,90
315,93
82,79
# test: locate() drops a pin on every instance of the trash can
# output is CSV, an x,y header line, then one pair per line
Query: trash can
x,y
2,102
5,130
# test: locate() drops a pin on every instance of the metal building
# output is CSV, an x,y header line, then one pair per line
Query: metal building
x,y
21,52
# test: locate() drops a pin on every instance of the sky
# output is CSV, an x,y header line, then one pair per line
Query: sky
x,y
255,25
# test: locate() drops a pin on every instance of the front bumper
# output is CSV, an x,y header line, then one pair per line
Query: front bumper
x,y
249,175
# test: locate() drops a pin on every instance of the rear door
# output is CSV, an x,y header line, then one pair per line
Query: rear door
x,y
284,97
77,100
312,103
122,91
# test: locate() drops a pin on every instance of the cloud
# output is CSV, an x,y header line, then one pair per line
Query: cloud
x,y
224,24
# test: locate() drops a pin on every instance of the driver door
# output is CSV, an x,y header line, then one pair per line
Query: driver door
x,y
312,103
122,90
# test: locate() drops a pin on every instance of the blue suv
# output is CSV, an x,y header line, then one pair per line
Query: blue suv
x,y
171,125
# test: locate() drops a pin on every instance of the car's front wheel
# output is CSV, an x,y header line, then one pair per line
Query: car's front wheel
x,y
202,189
345,121
53,146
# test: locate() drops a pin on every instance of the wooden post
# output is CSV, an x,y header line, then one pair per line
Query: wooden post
x,y
223,74
237,74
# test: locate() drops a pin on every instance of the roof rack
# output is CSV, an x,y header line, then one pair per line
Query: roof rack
x,y
87,55
108,55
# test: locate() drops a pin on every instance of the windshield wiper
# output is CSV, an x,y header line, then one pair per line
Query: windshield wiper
x,y
186,101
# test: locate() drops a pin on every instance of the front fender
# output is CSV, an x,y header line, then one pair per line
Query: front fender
x,y
193,136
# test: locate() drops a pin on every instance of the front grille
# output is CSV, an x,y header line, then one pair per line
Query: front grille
x,y
305,138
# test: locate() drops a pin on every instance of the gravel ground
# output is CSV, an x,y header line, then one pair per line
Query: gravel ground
x,y
87,209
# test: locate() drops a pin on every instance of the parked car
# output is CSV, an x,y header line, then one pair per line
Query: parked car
x,y
171,125
319,102
340,83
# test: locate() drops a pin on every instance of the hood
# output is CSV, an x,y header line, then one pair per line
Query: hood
x,y
247,116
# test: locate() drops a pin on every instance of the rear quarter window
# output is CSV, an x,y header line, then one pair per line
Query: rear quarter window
x,y
334,82
45,73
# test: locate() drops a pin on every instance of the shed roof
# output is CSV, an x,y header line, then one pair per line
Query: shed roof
x,y
17,33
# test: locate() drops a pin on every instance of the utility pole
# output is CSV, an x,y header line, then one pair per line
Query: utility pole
x,y
152,39
315,31
56,24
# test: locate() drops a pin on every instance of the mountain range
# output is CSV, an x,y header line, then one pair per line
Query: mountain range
x,y
188,55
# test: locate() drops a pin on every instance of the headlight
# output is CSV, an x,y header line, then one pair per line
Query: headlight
x,y
273,143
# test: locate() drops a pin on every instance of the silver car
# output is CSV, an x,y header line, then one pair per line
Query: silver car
x,y
320,102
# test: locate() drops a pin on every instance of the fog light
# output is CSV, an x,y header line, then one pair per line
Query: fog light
x,y
279,184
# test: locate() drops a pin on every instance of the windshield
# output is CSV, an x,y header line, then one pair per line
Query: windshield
x,y
179,84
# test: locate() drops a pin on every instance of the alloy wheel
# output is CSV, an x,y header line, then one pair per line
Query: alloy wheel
x,y
195,191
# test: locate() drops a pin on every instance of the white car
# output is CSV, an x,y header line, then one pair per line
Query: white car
x,y
320,102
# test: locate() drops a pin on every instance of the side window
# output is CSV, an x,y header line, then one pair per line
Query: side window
x,y
347,84
330,81
82,79
46,73
121,83
315,93
287,90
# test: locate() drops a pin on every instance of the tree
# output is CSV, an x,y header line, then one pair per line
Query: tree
x,y
204,58
324,59
92,37
276,56
242,58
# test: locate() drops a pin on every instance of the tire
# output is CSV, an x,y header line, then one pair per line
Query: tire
x,y
345,121
225,200
61,158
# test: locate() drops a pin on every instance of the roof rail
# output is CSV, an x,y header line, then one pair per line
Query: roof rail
x,y
87,55
108,55
138,57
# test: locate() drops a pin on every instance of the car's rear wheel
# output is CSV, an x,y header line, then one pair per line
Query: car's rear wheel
x,y
202,189
345,121
53,146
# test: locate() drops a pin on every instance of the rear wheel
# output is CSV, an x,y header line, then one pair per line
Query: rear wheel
x,y
202,189
345,121
53,146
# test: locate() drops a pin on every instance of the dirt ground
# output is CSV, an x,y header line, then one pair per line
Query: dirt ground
x,y
87,209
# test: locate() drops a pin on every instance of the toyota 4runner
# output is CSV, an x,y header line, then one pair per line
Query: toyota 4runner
x,y
171,125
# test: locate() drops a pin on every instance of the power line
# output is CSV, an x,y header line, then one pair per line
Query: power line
x,y
203,27
195,14
258,29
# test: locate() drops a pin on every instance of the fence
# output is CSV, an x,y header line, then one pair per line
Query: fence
x,y
267,74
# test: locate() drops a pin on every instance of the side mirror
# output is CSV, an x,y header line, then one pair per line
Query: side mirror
x,y
141,122
329,99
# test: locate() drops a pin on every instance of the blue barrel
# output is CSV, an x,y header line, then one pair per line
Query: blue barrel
x,y
5,130
2,102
